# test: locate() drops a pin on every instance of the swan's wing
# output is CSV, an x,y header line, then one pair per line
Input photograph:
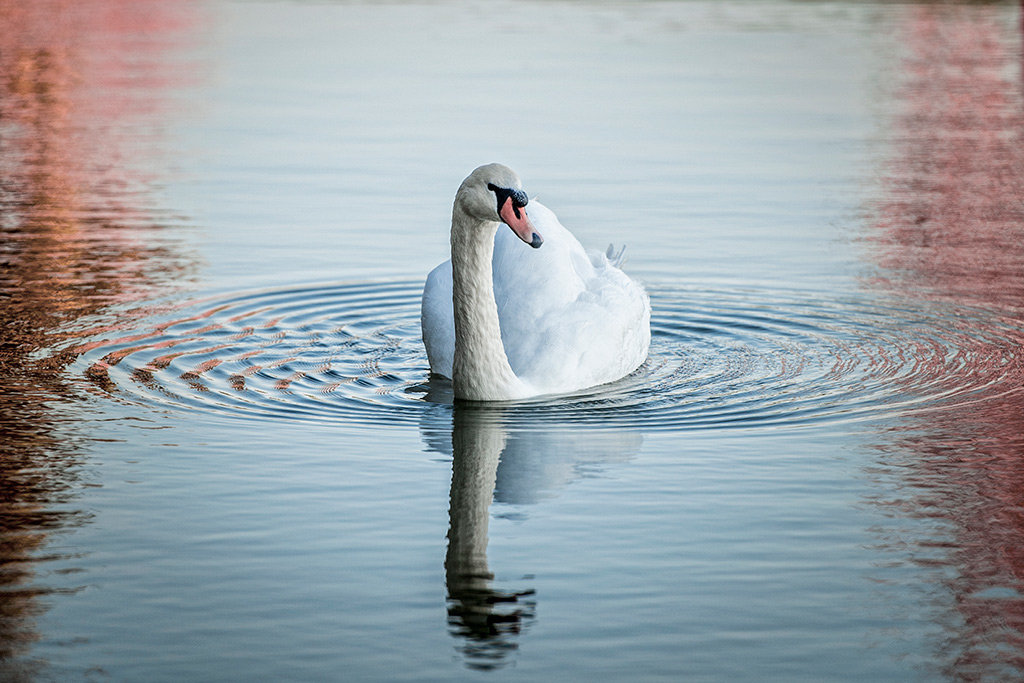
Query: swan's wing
x,y
604,334
437,320
569,319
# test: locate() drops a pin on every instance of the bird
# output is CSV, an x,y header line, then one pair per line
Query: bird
x,y
526,312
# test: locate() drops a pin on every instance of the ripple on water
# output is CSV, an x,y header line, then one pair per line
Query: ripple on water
x,y
719,358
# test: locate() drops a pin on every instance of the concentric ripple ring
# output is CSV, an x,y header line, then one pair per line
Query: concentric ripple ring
x,y
720,358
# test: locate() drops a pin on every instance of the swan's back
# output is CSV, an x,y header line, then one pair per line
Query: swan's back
x,y
569,320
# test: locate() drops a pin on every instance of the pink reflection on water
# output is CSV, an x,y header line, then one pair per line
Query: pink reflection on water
x,y
953,218
82,88
950,228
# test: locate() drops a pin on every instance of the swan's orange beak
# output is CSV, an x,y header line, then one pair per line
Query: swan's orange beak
x,y
515,217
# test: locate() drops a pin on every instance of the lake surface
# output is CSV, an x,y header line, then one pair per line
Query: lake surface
x,y
223,455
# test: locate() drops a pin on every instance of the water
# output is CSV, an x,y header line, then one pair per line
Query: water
x,y
224,458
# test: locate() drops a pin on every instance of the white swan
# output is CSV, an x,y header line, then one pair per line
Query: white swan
x,y
507,322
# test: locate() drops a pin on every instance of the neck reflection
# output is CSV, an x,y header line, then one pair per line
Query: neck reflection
x,y
486,619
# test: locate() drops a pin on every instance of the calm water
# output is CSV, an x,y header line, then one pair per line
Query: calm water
x,y
223,458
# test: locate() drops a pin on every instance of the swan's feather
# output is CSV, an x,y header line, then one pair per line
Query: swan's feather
x,y
616,256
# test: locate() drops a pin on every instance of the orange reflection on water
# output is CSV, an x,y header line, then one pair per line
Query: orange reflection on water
x,y
951,228
82,89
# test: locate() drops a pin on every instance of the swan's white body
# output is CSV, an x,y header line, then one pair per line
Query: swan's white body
x,y
510,322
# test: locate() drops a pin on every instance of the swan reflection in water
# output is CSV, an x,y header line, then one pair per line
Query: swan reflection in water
x,y
492,460
486,618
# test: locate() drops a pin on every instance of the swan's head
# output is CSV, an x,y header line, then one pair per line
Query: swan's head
x,y
494,193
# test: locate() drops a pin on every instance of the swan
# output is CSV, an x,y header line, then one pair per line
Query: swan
x,y
507,322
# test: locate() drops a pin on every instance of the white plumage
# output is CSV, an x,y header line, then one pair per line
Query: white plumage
x,y
568,319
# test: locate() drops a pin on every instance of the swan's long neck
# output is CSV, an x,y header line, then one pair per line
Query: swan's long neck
x,y
480,370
